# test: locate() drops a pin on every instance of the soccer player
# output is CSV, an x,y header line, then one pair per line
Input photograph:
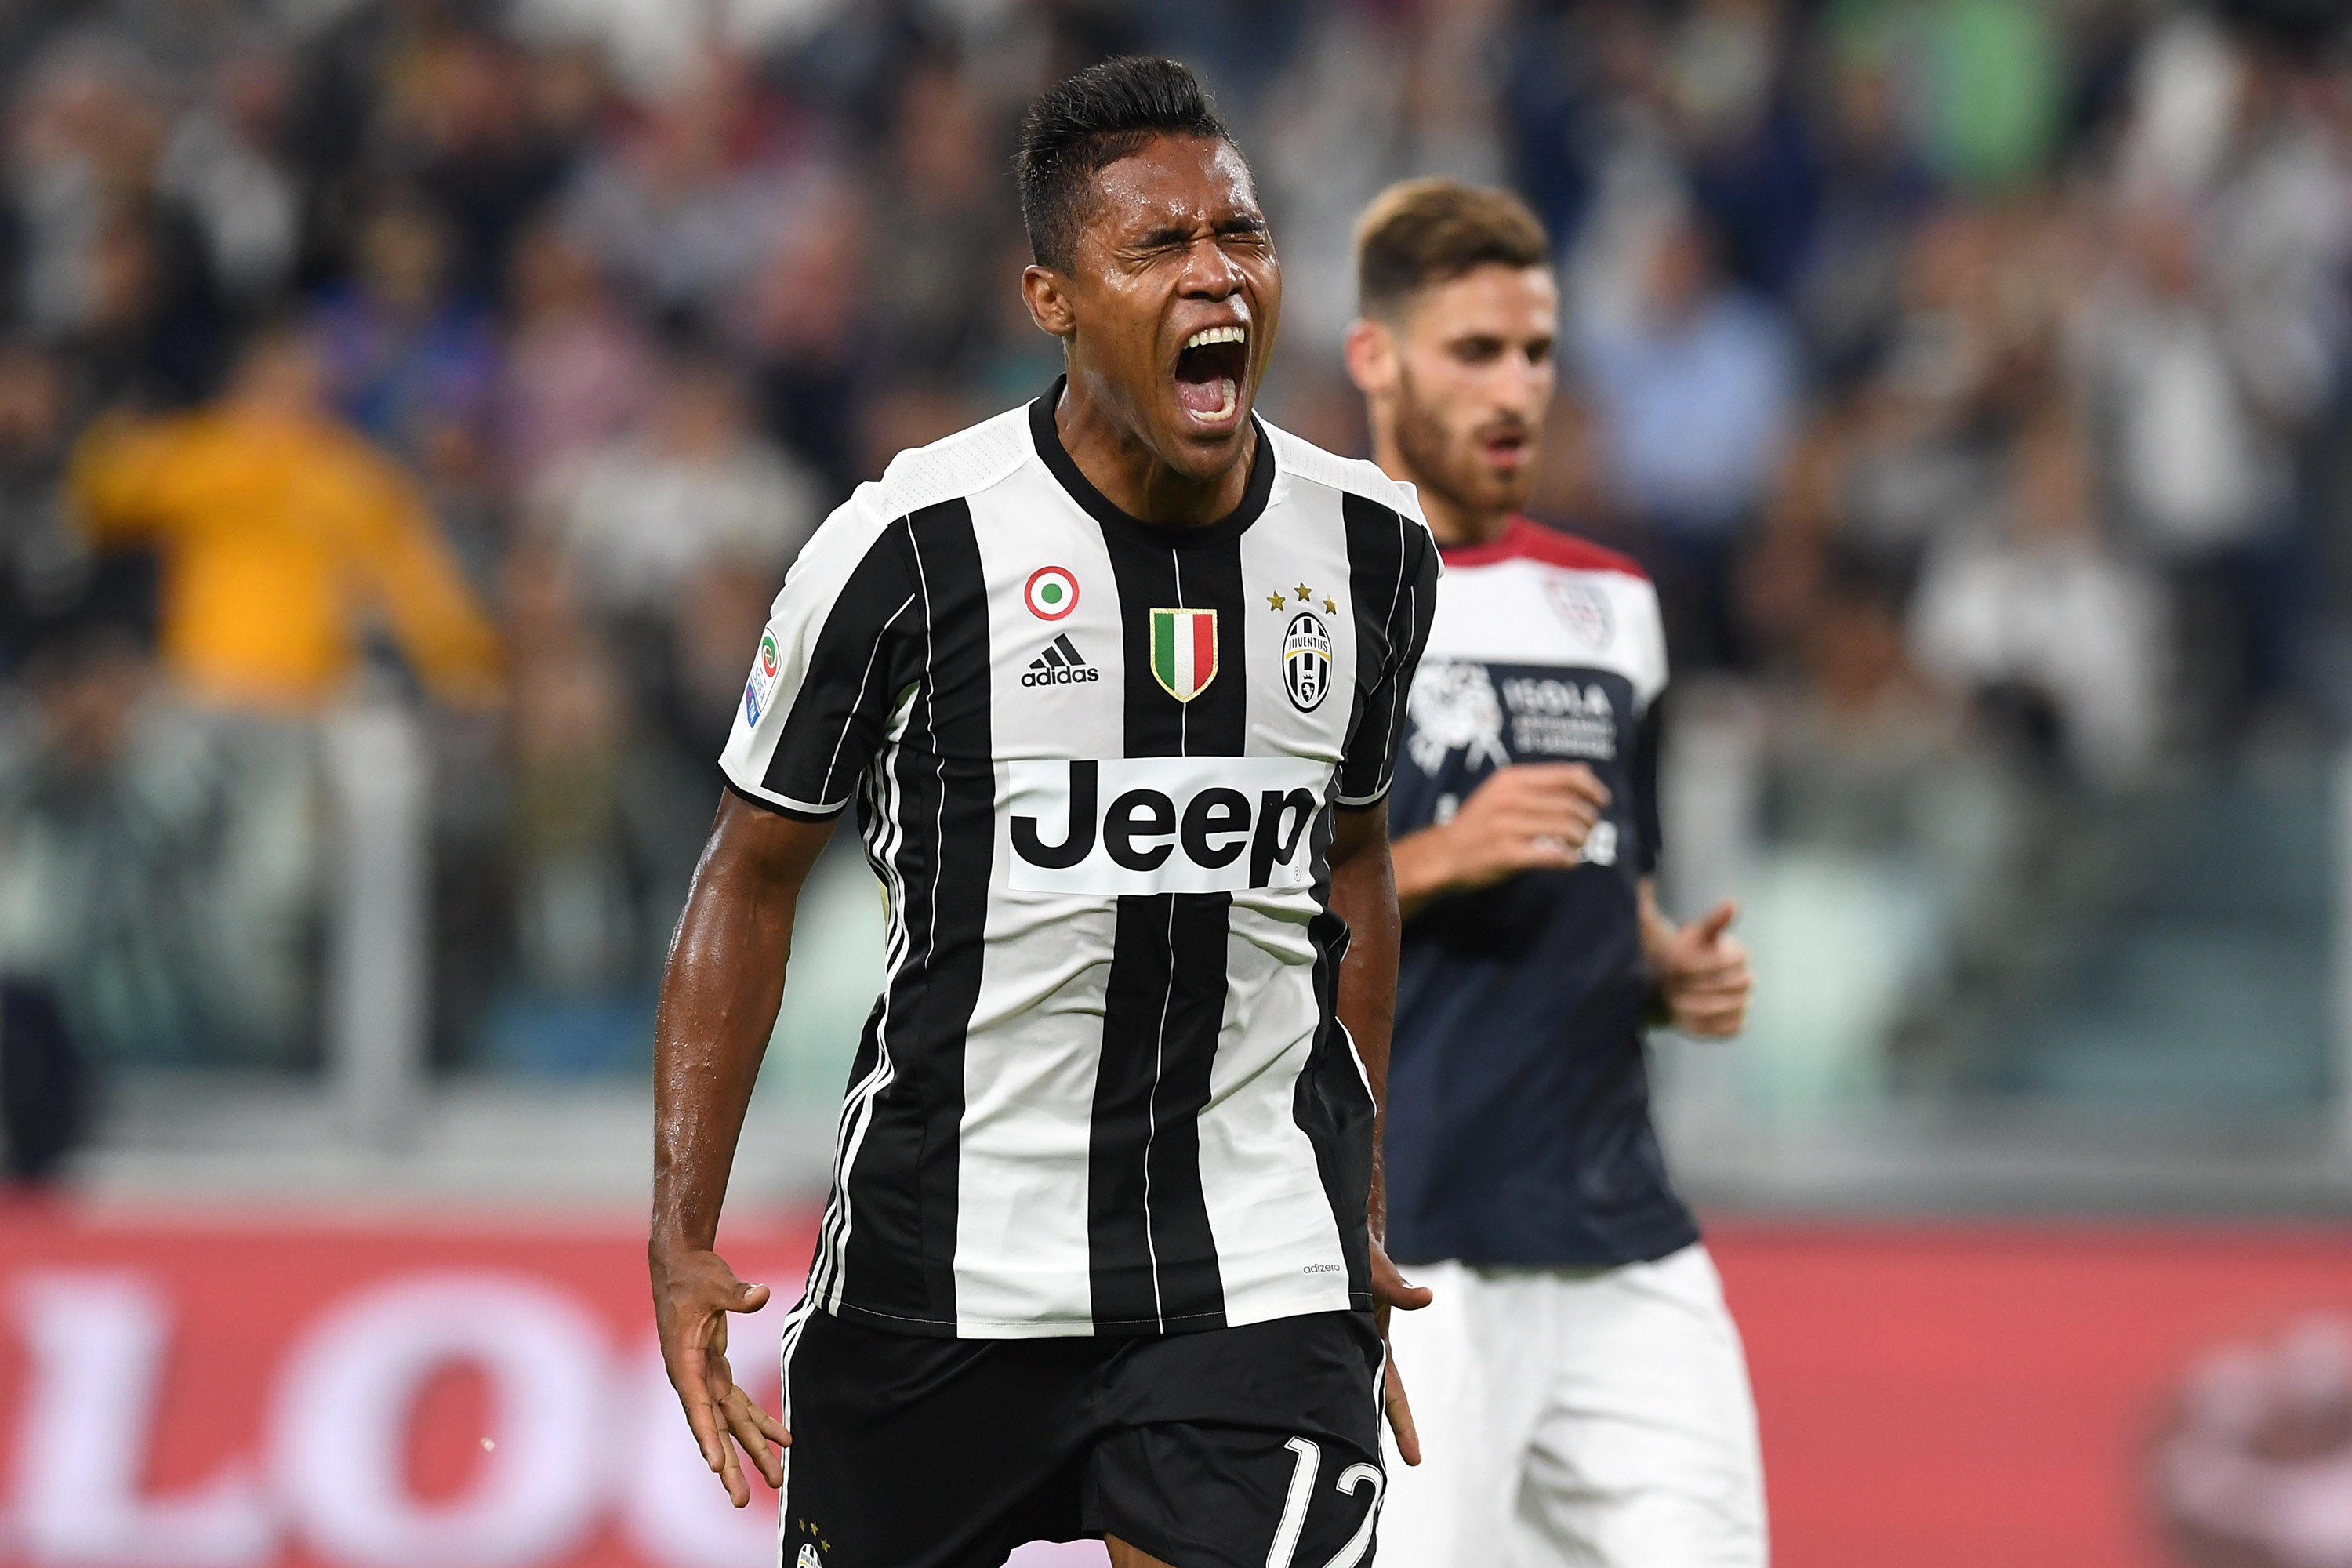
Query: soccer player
x,y
1115,681
1583,1397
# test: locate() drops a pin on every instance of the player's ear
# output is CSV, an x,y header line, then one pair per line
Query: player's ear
x,y
1372,350
1049,307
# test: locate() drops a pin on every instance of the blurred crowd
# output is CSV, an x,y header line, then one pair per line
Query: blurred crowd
x,y
1969,373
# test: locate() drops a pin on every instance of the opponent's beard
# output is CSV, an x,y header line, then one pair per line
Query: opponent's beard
x,y
1448,462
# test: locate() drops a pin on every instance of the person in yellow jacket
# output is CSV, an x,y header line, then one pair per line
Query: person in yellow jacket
x,y
282,536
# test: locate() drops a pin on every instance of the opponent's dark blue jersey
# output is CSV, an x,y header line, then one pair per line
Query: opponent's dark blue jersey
x,y
1519,1118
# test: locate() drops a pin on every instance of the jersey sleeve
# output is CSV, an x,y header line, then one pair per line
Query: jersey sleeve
x,y
820,693
1369,766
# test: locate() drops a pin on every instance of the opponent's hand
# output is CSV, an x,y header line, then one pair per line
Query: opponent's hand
x,y
1522,818
1702,970
693,1293
1390,1289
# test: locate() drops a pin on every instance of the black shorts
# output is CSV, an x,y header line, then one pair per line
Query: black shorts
x,y
1249,1447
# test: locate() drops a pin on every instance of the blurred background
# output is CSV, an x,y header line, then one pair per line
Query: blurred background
x,y
408,408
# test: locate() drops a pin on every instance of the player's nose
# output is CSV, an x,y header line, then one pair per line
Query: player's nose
x,y
1209,272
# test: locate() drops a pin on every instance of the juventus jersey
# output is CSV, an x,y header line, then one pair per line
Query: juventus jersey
x,y
1095,762
1518,1128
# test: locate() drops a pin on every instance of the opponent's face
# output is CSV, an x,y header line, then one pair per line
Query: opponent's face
x,y
1466,375
1169,304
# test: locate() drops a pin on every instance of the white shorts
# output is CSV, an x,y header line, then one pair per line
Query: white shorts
x,y
1597,1417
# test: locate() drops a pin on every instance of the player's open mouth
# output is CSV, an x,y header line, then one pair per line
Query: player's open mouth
x,y
1209,372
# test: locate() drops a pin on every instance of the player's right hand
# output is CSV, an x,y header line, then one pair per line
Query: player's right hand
x,y
1524,818
693,1293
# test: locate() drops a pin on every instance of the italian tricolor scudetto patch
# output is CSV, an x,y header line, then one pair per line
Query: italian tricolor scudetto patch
x,y
1185,651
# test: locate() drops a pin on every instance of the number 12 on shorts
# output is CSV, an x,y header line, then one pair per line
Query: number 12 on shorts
x,y
1302,1493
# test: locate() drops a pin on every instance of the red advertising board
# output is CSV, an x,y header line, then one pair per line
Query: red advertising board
x,y
439,1393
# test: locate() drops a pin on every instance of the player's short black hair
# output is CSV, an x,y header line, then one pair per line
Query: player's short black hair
x,y
1083,124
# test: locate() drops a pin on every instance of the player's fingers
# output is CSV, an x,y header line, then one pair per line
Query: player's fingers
x,y
748,1297
1400,1413
1586,785
1711,1022
1716,968
731,1474
1712,924
702,1417
1572,782
1724,980
749,1425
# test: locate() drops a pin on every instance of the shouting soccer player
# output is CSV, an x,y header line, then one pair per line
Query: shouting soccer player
x,y
1115,681
1583,1395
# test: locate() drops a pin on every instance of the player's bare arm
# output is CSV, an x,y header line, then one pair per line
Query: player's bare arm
x,y
1364,894
719,1000
1700,969
1526,817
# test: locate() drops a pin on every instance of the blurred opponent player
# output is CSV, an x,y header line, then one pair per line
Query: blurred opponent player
x,y
1114,680
1583,1396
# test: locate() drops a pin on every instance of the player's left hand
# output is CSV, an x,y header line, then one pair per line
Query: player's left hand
x,y
1391,1289
1702,970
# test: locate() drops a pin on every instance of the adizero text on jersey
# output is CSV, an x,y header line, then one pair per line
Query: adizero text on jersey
x,y
1095,762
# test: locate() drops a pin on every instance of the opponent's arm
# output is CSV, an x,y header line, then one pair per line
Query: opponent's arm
x,y
1521,817
719,1000
1363,893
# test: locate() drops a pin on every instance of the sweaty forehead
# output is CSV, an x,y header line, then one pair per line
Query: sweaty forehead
x,y
1181,182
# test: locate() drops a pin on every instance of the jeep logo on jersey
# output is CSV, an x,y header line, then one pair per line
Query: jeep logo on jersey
x,y
1306,661
1185,651
1051,593
1162,825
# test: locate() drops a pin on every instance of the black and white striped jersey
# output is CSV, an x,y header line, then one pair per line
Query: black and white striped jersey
x,y
1104,1090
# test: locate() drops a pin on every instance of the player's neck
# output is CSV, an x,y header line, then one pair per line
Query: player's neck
x,y
1455,525
1139,480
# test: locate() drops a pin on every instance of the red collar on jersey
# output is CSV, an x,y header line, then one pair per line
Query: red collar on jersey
x,y
1524,539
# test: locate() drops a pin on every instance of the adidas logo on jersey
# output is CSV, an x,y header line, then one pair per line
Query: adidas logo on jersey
x,y
1059,665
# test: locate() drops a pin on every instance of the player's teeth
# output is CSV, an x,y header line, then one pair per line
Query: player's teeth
x,y
1203,338
1227,389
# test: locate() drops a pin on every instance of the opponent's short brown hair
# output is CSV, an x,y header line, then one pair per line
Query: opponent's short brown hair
x,y
1421,232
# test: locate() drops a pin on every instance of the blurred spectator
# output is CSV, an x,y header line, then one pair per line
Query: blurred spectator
x,y
576,898
943,205
2039,617
1755,174
1694,396
110,264
138,884
44,563
576,365
460,118
2201,465
678,534
407,357
223,162
684,205
42,1103
282,536
1874,190
692,489
1889,838
805,317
